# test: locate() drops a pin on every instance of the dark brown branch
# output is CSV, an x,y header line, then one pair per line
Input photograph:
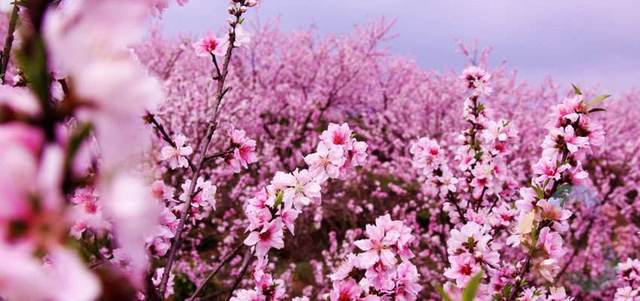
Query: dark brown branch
x,y
8,42
213,273
248,258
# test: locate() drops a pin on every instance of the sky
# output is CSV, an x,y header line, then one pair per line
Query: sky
x,y
588,42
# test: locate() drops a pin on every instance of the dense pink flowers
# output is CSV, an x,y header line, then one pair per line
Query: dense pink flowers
x,y
628,280
281,170
385,259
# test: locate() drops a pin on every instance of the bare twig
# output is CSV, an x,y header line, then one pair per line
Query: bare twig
x,y
212,274
8,42
219,155
248,258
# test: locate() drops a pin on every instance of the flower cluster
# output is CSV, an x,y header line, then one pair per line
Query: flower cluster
x,y
385,256
470,252
210,45
283,200
629,281
541,214
481,202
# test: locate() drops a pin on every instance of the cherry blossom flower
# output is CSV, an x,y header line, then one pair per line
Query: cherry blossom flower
x,y
463,267
210,45
244,152
345,290
336,135
270,236
177,156
326,161
378,245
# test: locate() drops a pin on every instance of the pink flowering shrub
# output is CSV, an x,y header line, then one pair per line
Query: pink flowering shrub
x,y
252,164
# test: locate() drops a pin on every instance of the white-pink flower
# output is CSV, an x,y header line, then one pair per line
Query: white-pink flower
x,y
177,156
326,161
336,134
345,290
551,242
462,268
299,187
378,247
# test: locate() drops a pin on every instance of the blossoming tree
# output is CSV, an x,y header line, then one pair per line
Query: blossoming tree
x,y
255,165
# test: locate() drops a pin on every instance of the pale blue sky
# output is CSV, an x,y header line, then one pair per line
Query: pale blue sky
x,y
584,41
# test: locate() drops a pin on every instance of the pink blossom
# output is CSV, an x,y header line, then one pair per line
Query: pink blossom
x,y
210,44
270,236
463,267
244,152
300,187
470,237
326,161
551,242
407,287
336,135
378,244
345,290
626,293
177,156
63,277
129,204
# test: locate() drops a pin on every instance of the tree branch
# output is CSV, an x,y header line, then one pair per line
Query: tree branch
x,y
225,261
8,42
213,125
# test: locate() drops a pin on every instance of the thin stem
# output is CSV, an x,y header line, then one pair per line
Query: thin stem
x,y
8,42
219,155
224,262
213,125
248,258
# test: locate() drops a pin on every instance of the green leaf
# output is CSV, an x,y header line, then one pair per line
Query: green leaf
x,y
506,291
279,199
576,89
443,294
32,60
469,292
596,101
79,135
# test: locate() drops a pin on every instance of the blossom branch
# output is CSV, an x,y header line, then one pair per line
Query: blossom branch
x,y
213,125
162,132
